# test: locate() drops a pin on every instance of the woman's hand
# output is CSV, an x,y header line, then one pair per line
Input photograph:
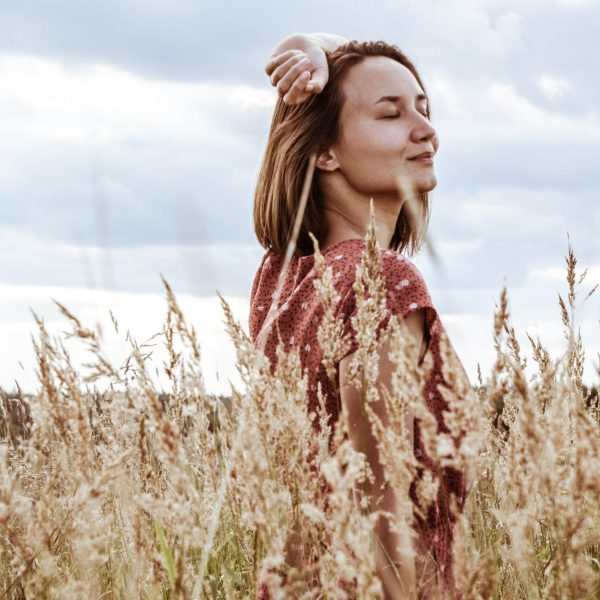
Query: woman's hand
x,y
298,65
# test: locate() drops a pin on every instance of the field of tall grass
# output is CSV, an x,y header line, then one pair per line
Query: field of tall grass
x,y
111,489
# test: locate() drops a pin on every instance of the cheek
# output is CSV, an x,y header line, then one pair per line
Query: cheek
x,y
388,138
367,167
370,144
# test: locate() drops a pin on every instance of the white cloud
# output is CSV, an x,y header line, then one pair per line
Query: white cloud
x,y
496,111
106,104
553,87
576,3
460,246
141,314
133,150
198,269
160,161
471,332
557,274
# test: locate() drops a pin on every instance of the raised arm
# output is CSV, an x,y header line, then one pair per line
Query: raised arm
x,y
298,65
393,548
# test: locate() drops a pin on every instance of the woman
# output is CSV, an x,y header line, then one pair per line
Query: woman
x,y
362,111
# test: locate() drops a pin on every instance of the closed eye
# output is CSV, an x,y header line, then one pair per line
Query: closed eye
x,y
398,115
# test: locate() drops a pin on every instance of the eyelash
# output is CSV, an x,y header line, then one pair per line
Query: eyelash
x,y
396,116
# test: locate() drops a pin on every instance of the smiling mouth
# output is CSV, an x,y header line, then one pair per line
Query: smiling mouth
x,y
428,160
423,155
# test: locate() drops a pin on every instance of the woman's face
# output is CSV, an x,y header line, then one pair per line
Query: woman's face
x,y
382,127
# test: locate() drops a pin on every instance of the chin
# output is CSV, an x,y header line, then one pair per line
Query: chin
x,y
421,184
426,186
430,184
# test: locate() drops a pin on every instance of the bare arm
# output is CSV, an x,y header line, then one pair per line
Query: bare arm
x,y
298,65
299,41
397,546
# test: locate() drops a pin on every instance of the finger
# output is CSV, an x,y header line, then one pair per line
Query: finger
x,y
296,93
277,59
292,74
282,70
317,81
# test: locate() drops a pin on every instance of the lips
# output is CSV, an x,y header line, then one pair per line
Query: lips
x,y
422,155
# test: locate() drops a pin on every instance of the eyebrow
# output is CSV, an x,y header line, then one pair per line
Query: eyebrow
x,y
419,98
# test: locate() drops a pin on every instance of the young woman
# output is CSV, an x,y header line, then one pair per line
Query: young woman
x,y
361,109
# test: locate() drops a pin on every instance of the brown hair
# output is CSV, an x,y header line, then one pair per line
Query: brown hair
x,y
309,128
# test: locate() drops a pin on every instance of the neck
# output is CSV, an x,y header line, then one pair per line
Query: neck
x,y
347,215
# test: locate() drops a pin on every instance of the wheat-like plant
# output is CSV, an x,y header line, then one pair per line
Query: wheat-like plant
x,y
110,489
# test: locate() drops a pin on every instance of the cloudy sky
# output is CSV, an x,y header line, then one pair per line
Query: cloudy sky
x,y
132,134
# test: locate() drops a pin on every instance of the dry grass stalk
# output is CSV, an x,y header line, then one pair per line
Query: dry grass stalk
x,y
124,491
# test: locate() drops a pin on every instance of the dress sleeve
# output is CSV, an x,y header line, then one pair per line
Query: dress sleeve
x,y
254,318
255,282
406,291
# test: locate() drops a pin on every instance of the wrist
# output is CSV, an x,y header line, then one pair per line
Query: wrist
x,y
327,41
295,41
301,41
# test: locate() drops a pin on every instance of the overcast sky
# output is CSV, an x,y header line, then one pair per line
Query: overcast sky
x,y
132,133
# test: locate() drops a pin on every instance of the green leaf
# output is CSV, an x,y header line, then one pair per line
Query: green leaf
x,y
166,552
235,577
544,553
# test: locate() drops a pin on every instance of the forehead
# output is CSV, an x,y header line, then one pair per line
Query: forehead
x,y
377,76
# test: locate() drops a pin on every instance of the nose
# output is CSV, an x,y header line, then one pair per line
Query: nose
x,y
423,130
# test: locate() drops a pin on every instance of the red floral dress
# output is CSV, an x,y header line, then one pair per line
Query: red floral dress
x,y
297,320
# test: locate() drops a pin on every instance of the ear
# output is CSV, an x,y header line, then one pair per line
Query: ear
x,y
327,161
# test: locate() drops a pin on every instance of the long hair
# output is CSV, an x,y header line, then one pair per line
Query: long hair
x,y
299,131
